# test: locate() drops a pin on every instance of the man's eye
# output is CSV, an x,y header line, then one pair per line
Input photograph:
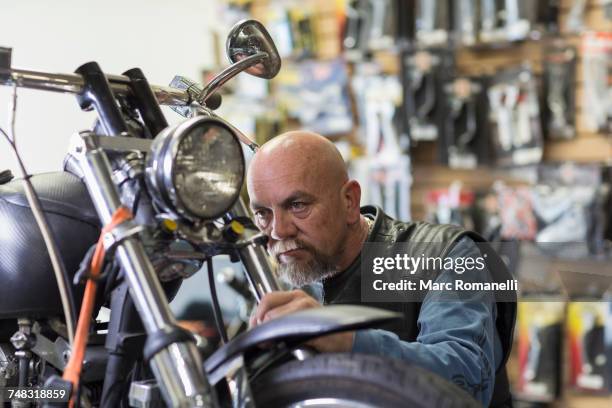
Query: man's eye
x,y
261,216
298,206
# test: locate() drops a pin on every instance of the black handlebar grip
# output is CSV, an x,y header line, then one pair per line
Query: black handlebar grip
x,y
214,101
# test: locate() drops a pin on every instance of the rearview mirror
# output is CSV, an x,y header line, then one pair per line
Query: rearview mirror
x,y
248,38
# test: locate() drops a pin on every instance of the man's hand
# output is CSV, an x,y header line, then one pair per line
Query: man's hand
x,y
277,304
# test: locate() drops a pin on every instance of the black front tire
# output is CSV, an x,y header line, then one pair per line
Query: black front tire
x,y
356,380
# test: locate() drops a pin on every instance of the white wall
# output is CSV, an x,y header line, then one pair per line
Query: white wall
x,y
162,37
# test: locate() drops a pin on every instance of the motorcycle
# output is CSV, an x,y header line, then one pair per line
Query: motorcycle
x,y
139,207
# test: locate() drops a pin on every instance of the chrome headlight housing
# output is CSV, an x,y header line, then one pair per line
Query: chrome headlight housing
x,y
195,169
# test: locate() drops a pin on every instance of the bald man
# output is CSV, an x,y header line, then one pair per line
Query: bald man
x,y
303,200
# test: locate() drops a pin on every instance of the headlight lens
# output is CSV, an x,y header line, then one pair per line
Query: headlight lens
x,y
196,169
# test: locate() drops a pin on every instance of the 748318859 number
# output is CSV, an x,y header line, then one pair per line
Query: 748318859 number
x,y
34,394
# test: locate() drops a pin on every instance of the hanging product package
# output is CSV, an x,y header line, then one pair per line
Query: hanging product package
x,y
514,117
370,25
606,208
515,20
597,77
423,73
406,20
504,21
608,340
279,25
516,212
389,184
316,93
464,141
382,28
353,42
452,205
575,19
432,23
565,202
585,328
303,38
559,100
378,102
385,172
465,25
539,328
544,16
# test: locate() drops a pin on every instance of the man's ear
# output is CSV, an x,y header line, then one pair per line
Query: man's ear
x,y
352,199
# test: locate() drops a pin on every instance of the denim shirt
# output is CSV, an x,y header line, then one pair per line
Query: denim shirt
x,y
457,339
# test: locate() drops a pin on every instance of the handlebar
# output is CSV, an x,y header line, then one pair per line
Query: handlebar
x,y
74,84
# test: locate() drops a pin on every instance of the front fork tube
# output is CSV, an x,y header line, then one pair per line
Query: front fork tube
x,y
258,270
177,367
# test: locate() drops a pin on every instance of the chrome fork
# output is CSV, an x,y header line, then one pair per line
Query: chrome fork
x,y
177,366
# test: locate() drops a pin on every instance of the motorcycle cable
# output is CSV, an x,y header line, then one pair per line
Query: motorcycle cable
x,y
74,367
113,279
61,276
215,301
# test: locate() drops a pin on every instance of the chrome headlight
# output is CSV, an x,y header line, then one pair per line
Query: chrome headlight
x,y
195,169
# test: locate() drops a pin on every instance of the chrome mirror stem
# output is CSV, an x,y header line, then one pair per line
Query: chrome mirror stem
x,y
203,110
228,73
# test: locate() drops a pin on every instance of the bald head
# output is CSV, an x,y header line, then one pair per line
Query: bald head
x,y
310,154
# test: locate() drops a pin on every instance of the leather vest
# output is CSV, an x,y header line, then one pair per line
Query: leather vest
x,y
345,288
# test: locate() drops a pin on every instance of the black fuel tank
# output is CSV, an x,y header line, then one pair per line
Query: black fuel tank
x,y
27,282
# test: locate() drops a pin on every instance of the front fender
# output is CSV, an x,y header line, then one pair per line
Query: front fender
x,y
298,328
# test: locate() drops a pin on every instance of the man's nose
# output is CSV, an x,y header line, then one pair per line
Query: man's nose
x,y
282,227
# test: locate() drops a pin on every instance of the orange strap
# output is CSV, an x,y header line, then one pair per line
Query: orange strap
x,y
72,372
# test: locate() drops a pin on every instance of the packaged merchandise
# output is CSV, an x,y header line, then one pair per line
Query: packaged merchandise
x,y
539,328
585,337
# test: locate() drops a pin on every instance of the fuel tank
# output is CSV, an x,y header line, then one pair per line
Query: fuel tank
x,y
27,282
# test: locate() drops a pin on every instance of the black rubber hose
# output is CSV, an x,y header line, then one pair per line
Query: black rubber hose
x,y
24,364
215,301
117,371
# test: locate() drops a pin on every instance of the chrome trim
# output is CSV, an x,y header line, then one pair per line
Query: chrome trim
x,y
160,166
123,144
228,73
144,394
250,37
152,165
178,367
303,353
238,384
178,370
73,83
330,402
258,268
204,111
120,233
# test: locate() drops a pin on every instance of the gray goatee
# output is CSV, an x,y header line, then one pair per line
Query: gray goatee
x,y
301,273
